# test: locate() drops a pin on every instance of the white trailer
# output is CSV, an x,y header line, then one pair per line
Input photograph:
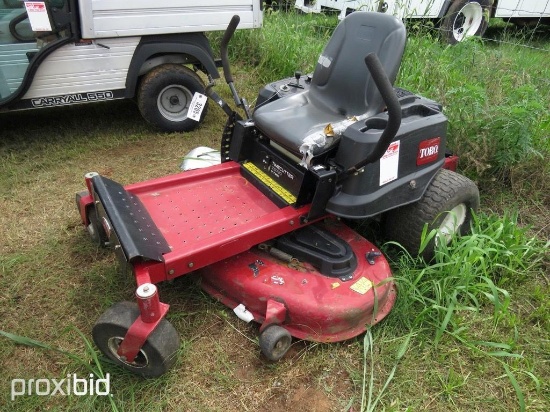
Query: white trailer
x,y
62,52
458,18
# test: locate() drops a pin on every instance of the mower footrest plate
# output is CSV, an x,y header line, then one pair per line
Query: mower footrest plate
x,y
135,231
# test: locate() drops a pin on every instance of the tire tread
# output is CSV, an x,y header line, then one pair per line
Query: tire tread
x,y
147,96
405,224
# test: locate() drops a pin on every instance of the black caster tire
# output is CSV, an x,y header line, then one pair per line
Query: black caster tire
x,y
446,205
465,18
158,354
275,341
165,94
95,228
79,196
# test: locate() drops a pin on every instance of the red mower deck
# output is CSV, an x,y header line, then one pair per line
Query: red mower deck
x,y
316,307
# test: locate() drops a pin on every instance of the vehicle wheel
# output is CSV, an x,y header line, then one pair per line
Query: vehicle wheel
x,y
95,228
446,205
157,355
78,196
165,94
465,18
275,341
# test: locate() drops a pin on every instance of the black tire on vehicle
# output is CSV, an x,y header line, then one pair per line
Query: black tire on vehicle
x,y
465,18
158,354
446,205
165,94
95,228
275,341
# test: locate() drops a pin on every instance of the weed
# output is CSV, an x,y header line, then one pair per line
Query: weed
x,y
369,404
90,361
468,275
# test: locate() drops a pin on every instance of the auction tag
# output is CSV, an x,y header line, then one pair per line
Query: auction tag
x,y
38,16
197,106
389,163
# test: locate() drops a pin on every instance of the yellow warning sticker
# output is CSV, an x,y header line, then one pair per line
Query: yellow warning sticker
x,y
362,286
334,285
269,182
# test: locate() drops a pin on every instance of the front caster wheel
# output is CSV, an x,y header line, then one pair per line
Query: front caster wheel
x,y
275,341
95,228
157,355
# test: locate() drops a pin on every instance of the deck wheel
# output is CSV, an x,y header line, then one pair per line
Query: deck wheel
x,y
275,341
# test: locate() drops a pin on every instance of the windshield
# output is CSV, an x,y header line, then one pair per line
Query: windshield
x,y
19,43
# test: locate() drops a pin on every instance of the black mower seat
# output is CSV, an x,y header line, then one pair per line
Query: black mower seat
x,y
341,86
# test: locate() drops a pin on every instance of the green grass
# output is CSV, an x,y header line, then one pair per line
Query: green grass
x,y
495,100
287,42
471,331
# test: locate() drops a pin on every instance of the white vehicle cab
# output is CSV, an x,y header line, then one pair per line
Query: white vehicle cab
x,y
458,19
63,52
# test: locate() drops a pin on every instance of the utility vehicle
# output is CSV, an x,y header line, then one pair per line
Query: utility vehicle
x,y
265,227
457,19
64,52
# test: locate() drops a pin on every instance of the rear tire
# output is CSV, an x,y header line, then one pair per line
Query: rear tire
x,y
165,94
465,18
446,205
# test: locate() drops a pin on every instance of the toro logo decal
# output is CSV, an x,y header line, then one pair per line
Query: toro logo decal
x,y
428,151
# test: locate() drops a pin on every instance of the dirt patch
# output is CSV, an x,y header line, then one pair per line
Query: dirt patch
x,y
301,398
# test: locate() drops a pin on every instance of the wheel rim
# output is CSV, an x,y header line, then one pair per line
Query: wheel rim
x,y
467,21
281,347
92,232
173,102
451,224
140,361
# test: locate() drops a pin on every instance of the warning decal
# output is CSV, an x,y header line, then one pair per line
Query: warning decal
x,y
362,286
269,182
38,15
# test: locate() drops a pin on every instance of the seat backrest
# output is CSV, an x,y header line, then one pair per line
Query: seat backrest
x,y
341,81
